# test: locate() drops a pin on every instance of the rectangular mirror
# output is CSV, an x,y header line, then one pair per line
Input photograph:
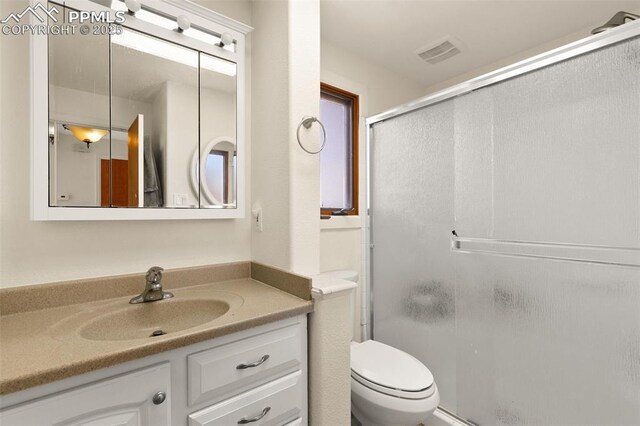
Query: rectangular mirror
x,y
218,152
78,117
157,81
142,118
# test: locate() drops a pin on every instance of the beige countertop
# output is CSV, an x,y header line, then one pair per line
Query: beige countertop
x,y
44,345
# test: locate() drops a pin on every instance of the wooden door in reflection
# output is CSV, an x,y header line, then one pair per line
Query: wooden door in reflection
x,y
119,184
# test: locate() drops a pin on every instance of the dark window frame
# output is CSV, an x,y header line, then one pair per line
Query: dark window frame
x,y
355,130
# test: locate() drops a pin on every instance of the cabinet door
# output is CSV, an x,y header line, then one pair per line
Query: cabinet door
x,y
123,400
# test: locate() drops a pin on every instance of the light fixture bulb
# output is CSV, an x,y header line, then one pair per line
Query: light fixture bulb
x,y
133,6
225,38
183,23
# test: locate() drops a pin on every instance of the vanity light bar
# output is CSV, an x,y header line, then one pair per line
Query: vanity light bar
x,y
170,24
166,50
208,38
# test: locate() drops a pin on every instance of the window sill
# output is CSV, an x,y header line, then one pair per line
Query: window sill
x,y
341,222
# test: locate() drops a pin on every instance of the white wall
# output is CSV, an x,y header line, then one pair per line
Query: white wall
x,y
182,141
92,109
77,172
40,252
304,100
286,180
270,174
342,241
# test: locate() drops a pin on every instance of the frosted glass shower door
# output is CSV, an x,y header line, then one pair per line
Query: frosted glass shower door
x,y
532,315
543,342
412,218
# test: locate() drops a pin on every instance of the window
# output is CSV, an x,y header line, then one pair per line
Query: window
x,y
339,158
217,174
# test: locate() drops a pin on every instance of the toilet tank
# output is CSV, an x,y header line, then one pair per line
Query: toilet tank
x,y
348,275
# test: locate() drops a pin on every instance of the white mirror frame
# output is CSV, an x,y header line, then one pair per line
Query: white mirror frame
x,y
39,102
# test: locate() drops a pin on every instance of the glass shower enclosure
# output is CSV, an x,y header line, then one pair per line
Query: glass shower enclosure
x,y
505,226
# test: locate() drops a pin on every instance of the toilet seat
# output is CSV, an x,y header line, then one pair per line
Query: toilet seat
x,y
390,371
374,408
398,393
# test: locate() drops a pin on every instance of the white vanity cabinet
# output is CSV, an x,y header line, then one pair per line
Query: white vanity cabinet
x,y
255,377
123,400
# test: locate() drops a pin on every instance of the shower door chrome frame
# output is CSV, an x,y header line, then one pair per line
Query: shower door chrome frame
x,y
560,54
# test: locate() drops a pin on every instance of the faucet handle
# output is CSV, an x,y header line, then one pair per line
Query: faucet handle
x,y
154,274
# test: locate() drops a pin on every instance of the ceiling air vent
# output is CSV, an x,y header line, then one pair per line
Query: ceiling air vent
x,y
440,50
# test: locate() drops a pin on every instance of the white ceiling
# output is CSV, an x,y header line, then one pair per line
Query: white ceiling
x,y
389,32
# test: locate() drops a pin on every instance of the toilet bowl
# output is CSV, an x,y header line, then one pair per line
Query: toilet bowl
x,y
388,386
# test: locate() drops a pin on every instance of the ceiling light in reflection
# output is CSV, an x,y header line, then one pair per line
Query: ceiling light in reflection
x,y
86,134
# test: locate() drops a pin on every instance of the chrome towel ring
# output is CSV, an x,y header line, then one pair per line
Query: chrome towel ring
x,y
307,122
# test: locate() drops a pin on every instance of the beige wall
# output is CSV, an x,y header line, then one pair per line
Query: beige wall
x,y
383,88
342,241
240,10
39,252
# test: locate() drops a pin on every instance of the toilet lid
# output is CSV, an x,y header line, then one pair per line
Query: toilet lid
x,y
389,367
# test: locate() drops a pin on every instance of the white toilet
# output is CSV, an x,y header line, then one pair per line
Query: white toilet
x,y
388,386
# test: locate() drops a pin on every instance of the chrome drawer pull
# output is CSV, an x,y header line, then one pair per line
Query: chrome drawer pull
x,y
256,418
253,364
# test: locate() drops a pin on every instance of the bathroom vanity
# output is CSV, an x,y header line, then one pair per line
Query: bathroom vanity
x,y
201,384
234,351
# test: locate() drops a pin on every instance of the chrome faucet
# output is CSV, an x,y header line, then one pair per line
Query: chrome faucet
x,y
153,290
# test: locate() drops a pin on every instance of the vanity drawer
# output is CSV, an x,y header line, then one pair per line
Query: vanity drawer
x,y
277,403
227,370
